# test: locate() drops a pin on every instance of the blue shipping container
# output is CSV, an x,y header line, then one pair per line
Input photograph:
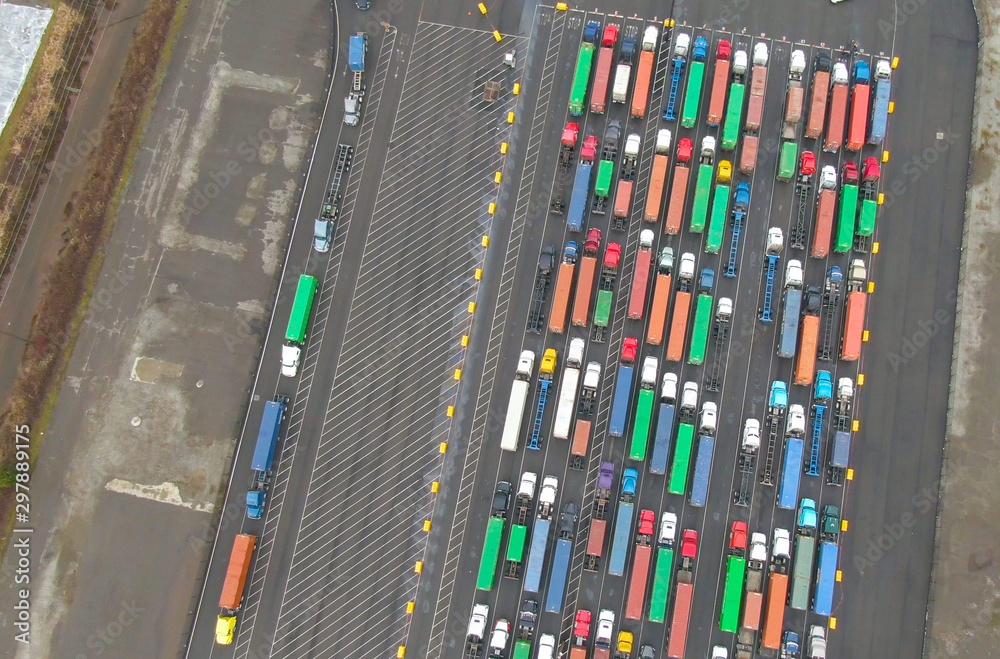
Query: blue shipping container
x,y
536,555
557,579
578,198
789,494
620,541
880,111
790,323
702,471
619,406
267,436
661,441
357,47
841,449
826,576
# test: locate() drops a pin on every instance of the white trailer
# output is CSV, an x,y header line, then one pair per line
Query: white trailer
x,y
518,396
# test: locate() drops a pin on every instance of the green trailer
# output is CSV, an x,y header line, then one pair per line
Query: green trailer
x,y
661,584
302,306
515,550
717,220
491,553
602,311
605,170
702,189
699,335
522,650
682,459
692,96
802,572
786,160
736,570
578,93
866,224
846,219
640,430
734,116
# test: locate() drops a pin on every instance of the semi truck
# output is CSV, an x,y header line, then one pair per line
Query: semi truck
x,y
658,178
880,106
603,637
836,119
720,79
623,387
518,540
598,519
682,307
560,559
777,590
661,296
231,597
858,127
792,307
869,204
584,62
741,205
826,568
643,409
758,84
546,372
720,208
805,548
663,568
803,192
641,557
854,316
788,493
518,396
494,534
776,406
581,184
772,252
567,150
564,284
644,72
540,534
702,317
602,76
734,106
664,425
585,280
566,407
749,446
623,193
696,78
678,188
703,461
822,394
677,484
703,185
263,454
840,447
606,168
581,633
677,65
736,568
794,96
630,156
847,216
826,203
623,72
820,93
605,290
753,599
683,595
623,523
585,410
640,276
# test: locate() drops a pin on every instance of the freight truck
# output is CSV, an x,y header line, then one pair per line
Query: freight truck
x,y
540,534
623,72
826,203
494,534
567,149
677,65
584,62
603,637
581,184
703,185
736,569
848,209
753,600
869,205
644,72
263,454
605,290
794,96
231,597
641,557
836,119
703,461
643,409
720,208
623,193
662,570
585,412
623,523
546,371
682,307
585,280
854,316
678,188
880,106
566,407
717,99
803,191
564,284
777,589
581,632
749,446
606,168
820,93
623,387
840,447
826,568
702,317
658,178
602,76
696,77
664,425
791,470
805,547
758,84
683,596
858,127
734,107
518,396
640,276
516,543
598,518
561,558
661,296
677,484
792,307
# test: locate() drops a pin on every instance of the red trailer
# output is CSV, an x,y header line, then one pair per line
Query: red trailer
x,y
605,58
640,278
636,600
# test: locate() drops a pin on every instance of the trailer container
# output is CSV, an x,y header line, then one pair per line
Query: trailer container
x,y
702,190
581,438
844,239
236,572
736,568
640,276
820,92
774,617
787,159
788,494
880,105
623,524
858,127
720,79
491,553
566,406
699,331
661,297
564,285
790,323
623,387
515,407
658,178
826,202
682,307
585,280
540,535
581,74
664,425
806,364
696,77
677,638
682,459
702,471
720,211
734,106
758,84
661,584
836,119
643,410
748,154
854,321
561,557
826,567
805,547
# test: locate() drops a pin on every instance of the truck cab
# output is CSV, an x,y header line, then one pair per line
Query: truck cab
x,y
709,415
817,642
689,397
724,309
807,514
526,363
322,235
668,529
649,365
290,355
663,141
685,148
685,271
548,365
760,54
779,394
828,177
775,241
546,260
740,62
725,173
706,281
570,133
850,173
610,36
591,31
567,519
352,108
605,627
751,435
527,486
758,548
592,376
831,520
741,198
612,135
812,300
624,649
857,272
501,499
781,545
839,73
256,499
528,618
796,424
689,544
225,627
793,274
790,646
682,44
627,52
738,537
477,623
548,494
589,149
807,164
630,478
546,647
668,389
666,262
629,348
719,652
581,627
708,148
823,391
649,38
647,522
499,638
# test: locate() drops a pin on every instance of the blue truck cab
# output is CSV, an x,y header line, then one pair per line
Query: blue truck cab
x,y
807,514
779,395
741,198
823,390
862,74
706,281
591,32
700,51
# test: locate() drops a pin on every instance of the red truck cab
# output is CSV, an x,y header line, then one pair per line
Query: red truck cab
x,y
570,133
589,149
610,36
581,628
629,349
689,542
807,166
850,176
684,149
725,48
593,238
647,522
871,170
612,255
738,538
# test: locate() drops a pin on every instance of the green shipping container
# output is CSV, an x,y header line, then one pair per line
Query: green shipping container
x,y
786,160
578,94
696,74
702,189
734,116
640,430
736,570
605,170
491,553
802,572
699,335
602,313
717,220
866,225
846,219
302,306
682,459
515,545
661,584
522,650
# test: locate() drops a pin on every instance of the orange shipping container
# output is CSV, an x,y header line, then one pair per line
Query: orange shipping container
x,y
657,181
678,193
836,119
679,624
793,106
752,610
595,543
641,94
755,109
774,619
748,156
817,108
806,365
560,301
581,437
658,312
678,326
599,92
236,573
584,285
825,205
623,198
638,581
854,322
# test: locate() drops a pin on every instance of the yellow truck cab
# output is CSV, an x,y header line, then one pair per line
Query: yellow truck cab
x,y
625,642
224,628
548,365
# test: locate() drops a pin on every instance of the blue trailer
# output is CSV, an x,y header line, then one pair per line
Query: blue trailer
x,y
623,524
841,450
263,454
792,468
702,471
790,323
356,50
578,198
661,440
880,107
619,405
826,576
536,554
